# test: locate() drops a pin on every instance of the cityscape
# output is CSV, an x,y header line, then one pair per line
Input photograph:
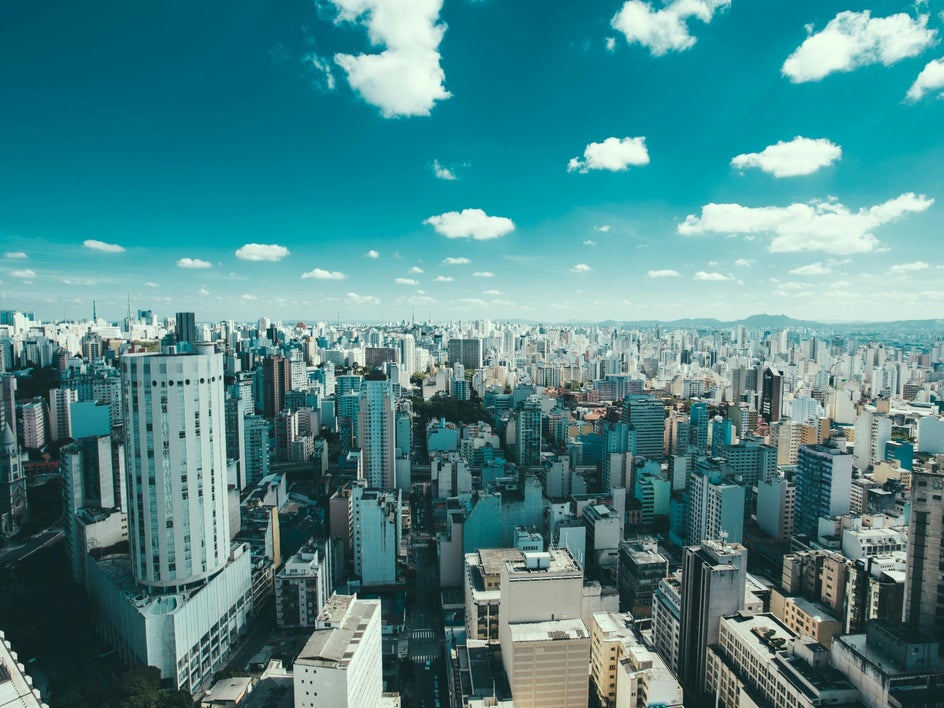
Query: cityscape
x,y
470,354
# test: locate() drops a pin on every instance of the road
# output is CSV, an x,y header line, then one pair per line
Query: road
x,y
426,640
18,549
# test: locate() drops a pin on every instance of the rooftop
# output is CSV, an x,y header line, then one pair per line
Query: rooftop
x,y
553,630
558,560
335,647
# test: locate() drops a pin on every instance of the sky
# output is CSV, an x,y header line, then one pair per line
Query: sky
x,y
456,159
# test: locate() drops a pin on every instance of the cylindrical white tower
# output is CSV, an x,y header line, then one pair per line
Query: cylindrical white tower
x,y
175,454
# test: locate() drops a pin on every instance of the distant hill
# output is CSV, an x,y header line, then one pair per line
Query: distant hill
x,y
768,322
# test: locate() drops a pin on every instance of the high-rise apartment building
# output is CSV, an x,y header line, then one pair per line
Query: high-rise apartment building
x,y
467,352
375,532
60,422
647,415
376,431
924,586
713,578
528,432
823,485
186,330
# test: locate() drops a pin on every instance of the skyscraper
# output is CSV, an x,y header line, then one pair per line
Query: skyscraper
x,y
713,579
175,453
771,398
186,328
647,415
276,382
376,431
467,352
528,432
698,417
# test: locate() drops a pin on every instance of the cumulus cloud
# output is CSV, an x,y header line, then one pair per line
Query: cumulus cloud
x,y
854,39
702,275
611,44
203,291
321,69
589,242
372,254
581,268
613,154
443,279
743,263
821,226
416,270
491,292
471,223
664,273
443,172
909,267
405,79
102,246
406,281
812,269
930,80
797,157
25,274
483,274
320,274
604,228
666,29
193,263
15,255
460,260
355,299
261,252
152,284
248,296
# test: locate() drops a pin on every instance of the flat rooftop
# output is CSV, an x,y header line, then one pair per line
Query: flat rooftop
x,y
560,562
335,647
553,630
492,560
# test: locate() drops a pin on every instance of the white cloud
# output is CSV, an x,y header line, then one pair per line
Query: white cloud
x,y
581,268
405,79
821,226
152,284
613,154
589,242
25,274
372,254
203,291
320,274
483,274
406,281
908,267
261,252
855,39
702,275
471,223
604,228
416,270
611,44
443,172
800,156
664,273
355,299
443,279
322,70
96,245
193,263
15,255
743,263
666,29
812,269
491,292
80,281
450,260
930,79
248,296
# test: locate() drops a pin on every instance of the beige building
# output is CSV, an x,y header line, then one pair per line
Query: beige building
x,y
805,618
610,635
483,591
643,679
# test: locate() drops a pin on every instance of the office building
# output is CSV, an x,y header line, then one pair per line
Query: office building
x,y
641,569
528,433
698,430
16,686
467,352
771,398
647,415
545,643
823,485
276,382
340,665
666,620
60,422
376,431
713,580
483,571
715,505
255,449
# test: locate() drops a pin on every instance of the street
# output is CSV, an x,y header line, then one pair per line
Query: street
x,y
426,641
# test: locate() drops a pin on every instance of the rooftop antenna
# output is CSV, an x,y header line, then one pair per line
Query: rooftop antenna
x,y
129,304
94,312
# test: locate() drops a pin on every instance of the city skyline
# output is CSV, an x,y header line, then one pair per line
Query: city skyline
x,y
467,160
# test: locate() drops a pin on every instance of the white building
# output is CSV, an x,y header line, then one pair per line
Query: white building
x,y
16,686
302,587
340,665
376,527
931,435
60,423
376,431
872,431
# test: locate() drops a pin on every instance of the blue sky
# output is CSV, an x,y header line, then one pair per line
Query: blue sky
x,y
543,160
